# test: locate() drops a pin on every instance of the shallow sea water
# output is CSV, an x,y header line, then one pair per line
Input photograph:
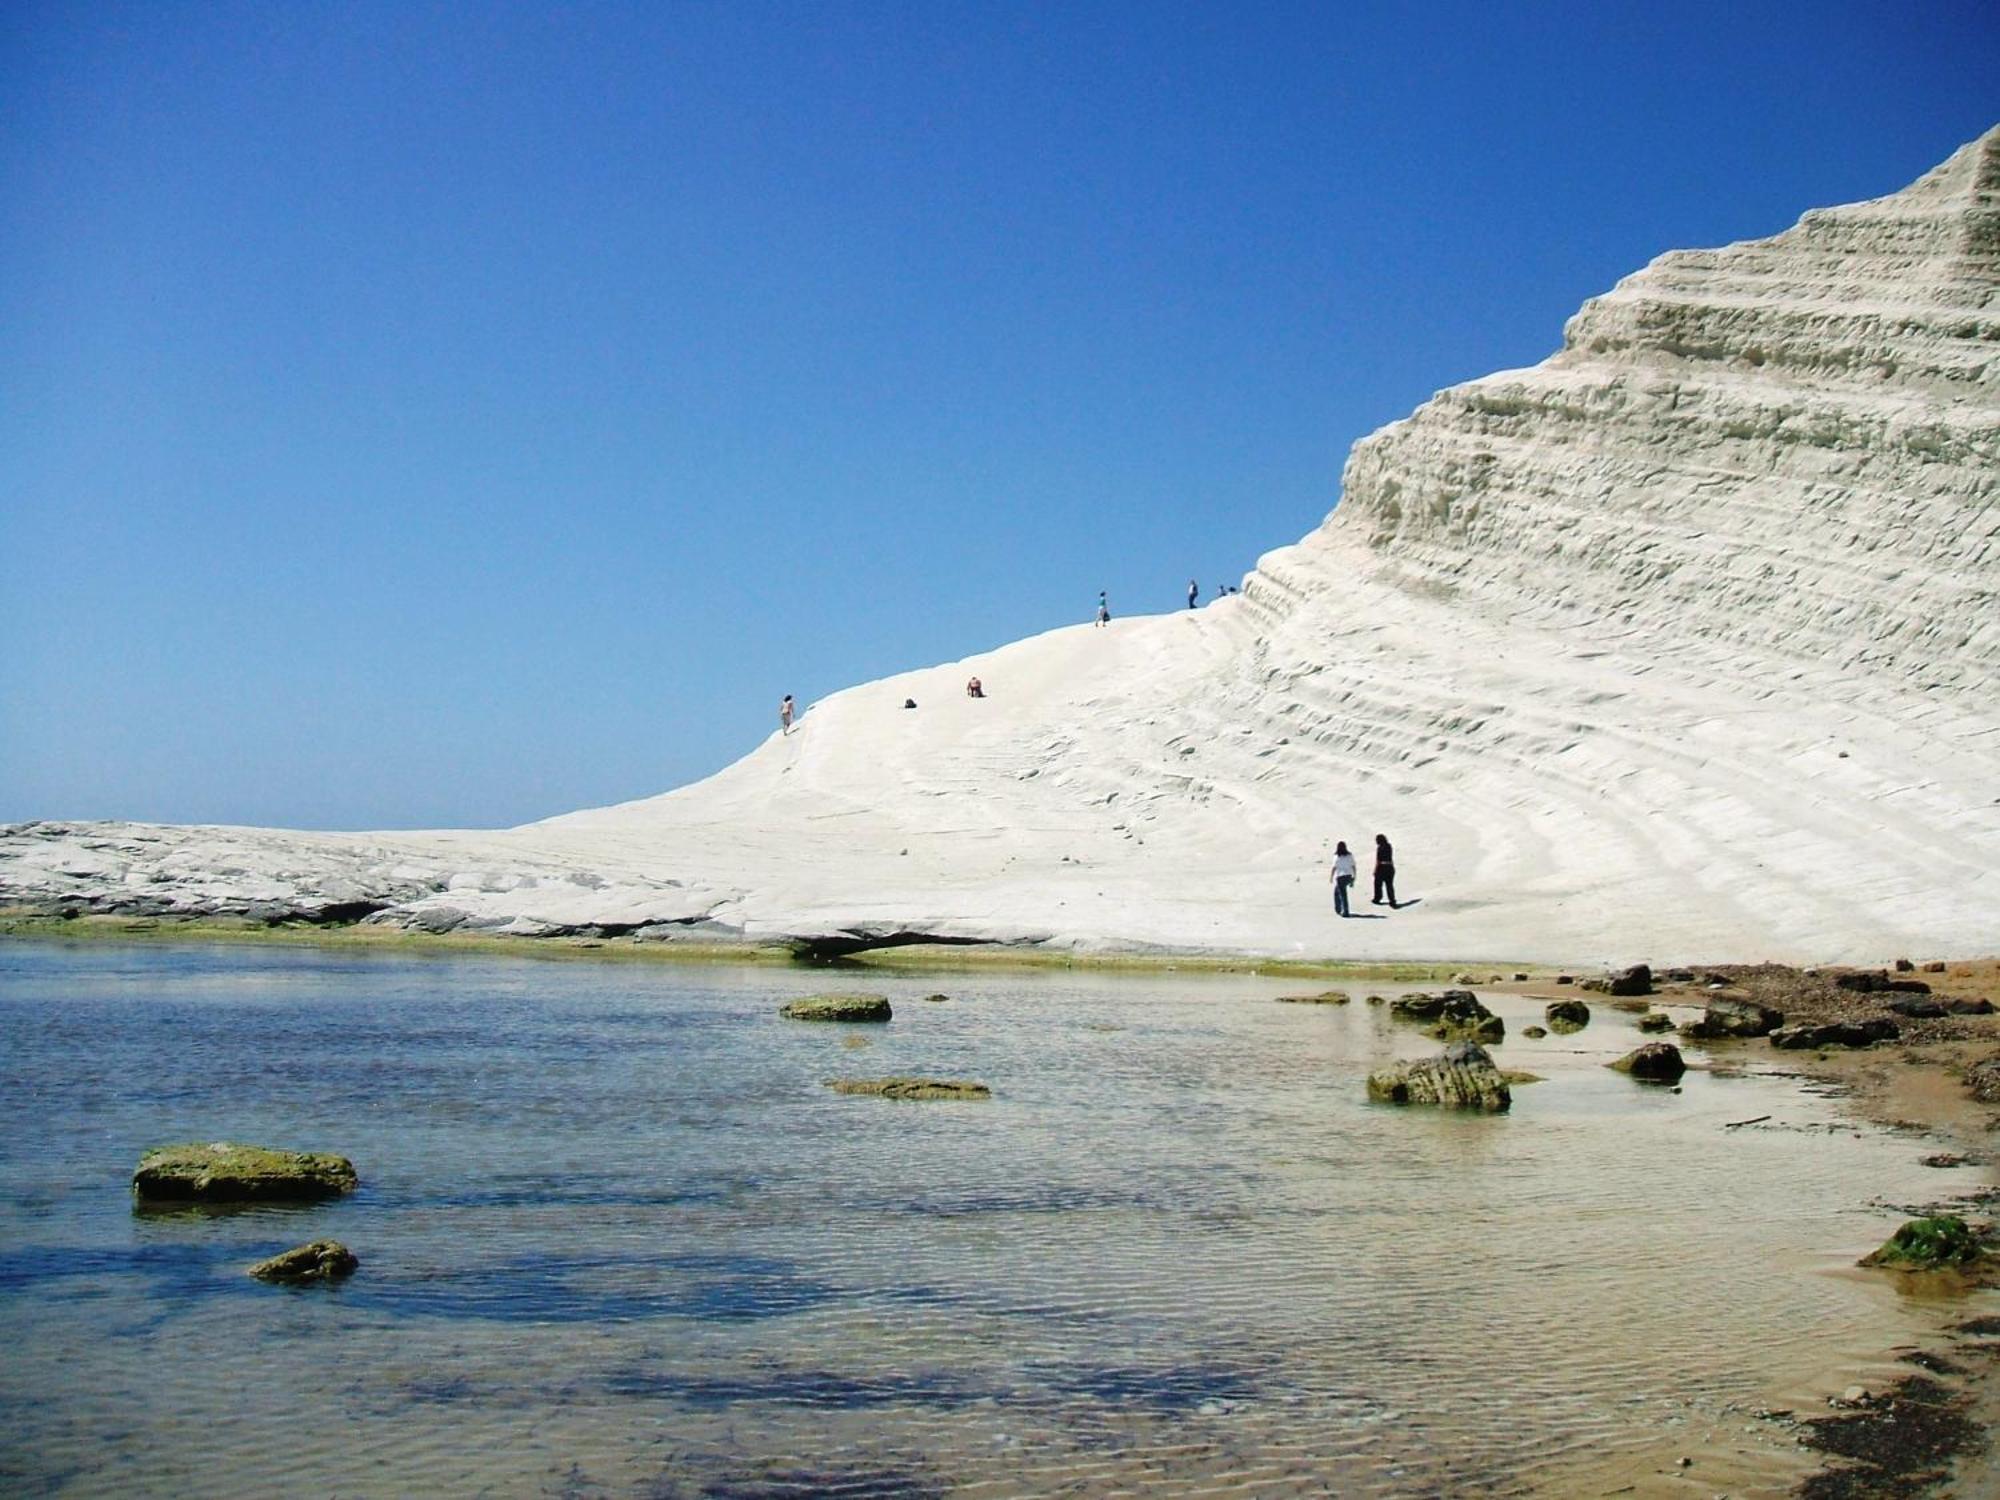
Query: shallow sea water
x,y
618,1238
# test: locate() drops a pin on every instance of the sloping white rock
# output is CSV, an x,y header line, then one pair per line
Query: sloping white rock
x,y
1683,642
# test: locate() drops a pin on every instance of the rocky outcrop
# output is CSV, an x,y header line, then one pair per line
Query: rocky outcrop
x,y
1636,980
322,1260
1734,1016
1931,1244
1454,1015
911,1088
1866,983
838,1008
1864,1033
1655,1062
1461,1077
225,1172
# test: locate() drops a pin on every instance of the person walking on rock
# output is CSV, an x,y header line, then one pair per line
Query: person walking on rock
x,y
1343,877
1385,870
785,715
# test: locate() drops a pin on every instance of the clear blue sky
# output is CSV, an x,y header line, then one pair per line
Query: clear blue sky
x,y
434,415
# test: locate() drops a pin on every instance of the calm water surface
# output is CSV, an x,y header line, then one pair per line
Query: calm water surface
x,y
618,1238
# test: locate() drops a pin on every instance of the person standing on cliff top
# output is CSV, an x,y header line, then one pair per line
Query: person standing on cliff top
x,y
785,715
1194,592
1103,609
1385,870
1343,876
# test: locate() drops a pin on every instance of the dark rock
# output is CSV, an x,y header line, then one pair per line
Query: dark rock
x,y
1655,1062
937,999
1520,979
1534,1033
1461,1077
1565,979
1968,1007
1935,966
1679,976
1928,1245
1637,980
1324,997
1904,966
1836,1034
911,1088
1654,1020
1422,1006
1866,982
1734,1015
224,1172
838,1008
322,1260
1916,1007
1566,1015
1456,1015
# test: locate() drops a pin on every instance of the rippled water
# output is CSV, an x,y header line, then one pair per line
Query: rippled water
x,y
617,1238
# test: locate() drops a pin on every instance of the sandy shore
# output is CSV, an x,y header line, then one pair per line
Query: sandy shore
x,y
1921,1428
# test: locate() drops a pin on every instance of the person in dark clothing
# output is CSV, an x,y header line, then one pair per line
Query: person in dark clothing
x,y
1194,592
1385,870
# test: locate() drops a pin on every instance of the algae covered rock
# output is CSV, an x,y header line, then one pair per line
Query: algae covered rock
x,y
1566,1015
1460,1077
1655,1020
911,1088
1734,1015
226,1172
1455,1015
1655,1062
322,1260
838,1008
1324,997
1929,1245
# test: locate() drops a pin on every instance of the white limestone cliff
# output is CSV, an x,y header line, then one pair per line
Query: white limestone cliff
x,y
1682,644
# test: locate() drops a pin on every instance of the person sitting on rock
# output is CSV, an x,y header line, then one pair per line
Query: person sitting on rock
x,y
973,689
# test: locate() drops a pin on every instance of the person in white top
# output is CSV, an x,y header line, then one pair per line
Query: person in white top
x,y
1343,876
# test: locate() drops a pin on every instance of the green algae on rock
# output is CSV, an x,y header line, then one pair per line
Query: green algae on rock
x,y
1932,1244
1566,1015
911,1088
227,1172
838,1008
322,1260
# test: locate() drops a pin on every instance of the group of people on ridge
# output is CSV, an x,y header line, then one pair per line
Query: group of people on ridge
x,y
1344,874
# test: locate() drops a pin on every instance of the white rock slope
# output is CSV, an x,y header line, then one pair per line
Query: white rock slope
x,y
1683,643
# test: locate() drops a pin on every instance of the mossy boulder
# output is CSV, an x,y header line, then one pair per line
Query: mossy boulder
x,y
1566,1015
911,1088
1460,1077
322,1260
226,1172
1324,997
1655,1062
1931,1244
838,1008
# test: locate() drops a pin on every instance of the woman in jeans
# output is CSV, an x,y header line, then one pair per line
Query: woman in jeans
x,y
1343,877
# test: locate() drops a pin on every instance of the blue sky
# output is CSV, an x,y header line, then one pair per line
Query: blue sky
x,y
435,415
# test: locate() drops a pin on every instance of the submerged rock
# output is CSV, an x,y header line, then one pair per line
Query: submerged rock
x,y
1534,1033
1734,1015
226,1172
1655,1020
1929,1245
1567,1015
1836,1034
1324,997
322,1260
838,1008
937,999
911,1088
1460,1077
1655,1062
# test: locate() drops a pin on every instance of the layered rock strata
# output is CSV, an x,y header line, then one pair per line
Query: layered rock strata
x,y
1680,642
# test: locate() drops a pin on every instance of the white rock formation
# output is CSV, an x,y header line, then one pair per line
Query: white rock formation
x,y
1682,644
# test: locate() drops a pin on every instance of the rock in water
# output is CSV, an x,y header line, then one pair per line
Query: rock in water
x,y
1655,1062
1458,1015
1460,1077
1637,980
1836,1034
1929,1245
1566,1015
838,1008
1324,997
1654,1020
911,1088
322,1260
225,1172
